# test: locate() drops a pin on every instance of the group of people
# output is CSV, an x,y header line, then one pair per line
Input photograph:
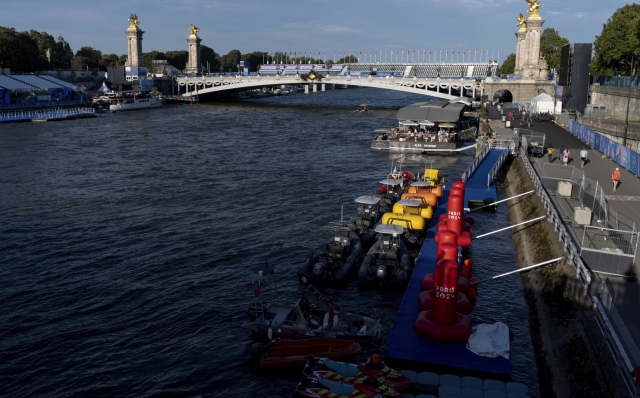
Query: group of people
x,y
566,158
419,134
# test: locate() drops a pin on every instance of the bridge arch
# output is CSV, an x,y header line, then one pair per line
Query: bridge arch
x,y
439,88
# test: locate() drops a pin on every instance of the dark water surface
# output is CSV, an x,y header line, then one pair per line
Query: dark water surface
x,y
128,242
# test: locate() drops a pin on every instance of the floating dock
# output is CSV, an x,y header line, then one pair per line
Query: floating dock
x,y
411,350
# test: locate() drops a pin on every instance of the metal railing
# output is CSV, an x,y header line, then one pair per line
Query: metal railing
x,y
474,165
52,113
499,163
617,81
569,246
612,342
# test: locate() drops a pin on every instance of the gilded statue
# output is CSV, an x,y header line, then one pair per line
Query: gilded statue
x,y
194,30
533,8
134,21
522,22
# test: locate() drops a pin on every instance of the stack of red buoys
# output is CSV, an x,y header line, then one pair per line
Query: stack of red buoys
x,y
444,323
453,220
444,299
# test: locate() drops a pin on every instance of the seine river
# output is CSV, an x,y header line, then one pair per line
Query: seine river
x,y
128,242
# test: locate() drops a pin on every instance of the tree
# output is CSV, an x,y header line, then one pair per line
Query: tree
x,y
20,52
254,59
178,59
231,60
148,58
551,45
209,58
84,63
618,43
508,65
350,59
89,52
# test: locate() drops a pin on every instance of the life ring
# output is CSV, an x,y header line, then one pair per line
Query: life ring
x,y
256,289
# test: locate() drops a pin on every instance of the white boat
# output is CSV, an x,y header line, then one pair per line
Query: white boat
x,y
130,101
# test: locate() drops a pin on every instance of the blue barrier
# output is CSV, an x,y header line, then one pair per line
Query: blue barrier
x,y
620,154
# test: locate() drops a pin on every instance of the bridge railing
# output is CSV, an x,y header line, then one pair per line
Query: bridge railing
x,y
474,165
508,147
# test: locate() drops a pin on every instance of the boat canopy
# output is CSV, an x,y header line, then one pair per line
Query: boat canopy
x,y
407,123
389,229
367,200
409,202
427,123
446,125
422,184
437,111
391,181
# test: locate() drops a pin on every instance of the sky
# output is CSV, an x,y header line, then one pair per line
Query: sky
x,y
307,26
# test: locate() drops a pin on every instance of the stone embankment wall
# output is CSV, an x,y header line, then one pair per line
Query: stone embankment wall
x,y
558,309
615,98
614,130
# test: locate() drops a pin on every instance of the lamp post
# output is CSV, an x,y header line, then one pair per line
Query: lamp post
x,y
626,122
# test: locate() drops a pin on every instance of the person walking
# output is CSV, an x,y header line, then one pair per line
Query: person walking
x,y
583,157
565,156
550,152
615,176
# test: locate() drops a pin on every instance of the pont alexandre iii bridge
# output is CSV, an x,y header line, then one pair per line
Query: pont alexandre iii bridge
x,y
434,80
442,80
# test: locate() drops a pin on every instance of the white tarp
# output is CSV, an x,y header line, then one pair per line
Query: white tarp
x,y
544,103
490,340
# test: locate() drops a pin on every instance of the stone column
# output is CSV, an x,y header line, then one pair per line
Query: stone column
x,y
193,65
520,51
531,68
134,39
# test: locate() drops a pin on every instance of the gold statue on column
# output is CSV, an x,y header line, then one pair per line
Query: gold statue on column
x,y
522,22
134,21
533,8
194,30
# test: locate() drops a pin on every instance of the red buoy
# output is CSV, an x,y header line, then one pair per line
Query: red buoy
x,y
444,308
465,273
447,236
458,184
473,293
467,263
447,251
429,283
427,300
454,213
459,330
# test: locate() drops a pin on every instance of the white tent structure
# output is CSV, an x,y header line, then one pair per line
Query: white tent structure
x,y
545,103
104,89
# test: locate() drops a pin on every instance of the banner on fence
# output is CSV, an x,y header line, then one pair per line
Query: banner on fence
x,y
620,154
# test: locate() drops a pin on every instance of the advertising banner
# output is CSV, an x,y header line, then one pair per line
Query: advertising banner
x,y
620,154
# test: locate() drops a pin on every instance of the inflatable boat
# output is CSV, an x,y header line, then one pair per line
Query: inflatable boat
x,y
295,354
333,261
323,387
387,262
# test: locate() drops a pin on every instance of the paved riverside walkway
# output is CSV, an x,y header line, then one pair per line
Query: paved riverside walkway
x,y
626,201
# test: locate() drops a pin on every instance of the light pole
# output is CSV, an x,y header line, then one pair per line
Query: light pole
x,y
626,122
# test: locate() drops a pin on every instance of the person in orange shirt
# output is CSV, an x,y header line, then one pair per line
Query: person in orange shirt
x,y
615,176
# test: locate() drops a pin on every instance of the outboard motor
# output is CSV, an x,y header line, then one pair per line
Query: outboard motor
x,y
319,269
381,272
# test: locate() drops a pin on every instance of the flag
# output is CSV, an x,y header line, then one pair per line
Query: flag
x,y
447,52
476,51
340,202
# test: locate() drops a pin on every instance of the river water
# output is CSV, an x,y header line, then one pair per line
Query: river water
x,y
128,242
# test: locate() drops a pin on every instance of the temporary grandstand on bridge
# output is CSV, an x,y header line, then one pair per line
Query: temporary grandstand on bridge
x,y
18,91
470,70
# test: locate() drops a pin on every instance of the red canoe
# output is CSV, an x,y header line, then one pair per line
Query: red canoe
x,y
290,354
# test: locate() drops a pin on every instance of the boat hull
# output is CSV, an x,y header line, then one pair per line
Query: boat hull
x,y
295,354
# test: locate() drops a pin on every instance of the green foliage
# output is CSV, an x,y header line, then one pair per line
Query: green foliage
x,y
508,65
484,127
230,61
551,45
89,52
618,43
26,51
350,59
207,55
177,59
84,63
148,58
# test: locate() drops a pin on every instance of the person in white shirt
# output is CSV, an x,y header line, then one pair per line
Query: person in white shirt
x,y
583,157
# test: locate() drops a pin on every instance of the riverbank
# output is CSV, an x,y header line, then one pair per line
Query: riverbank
x,y
564,358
